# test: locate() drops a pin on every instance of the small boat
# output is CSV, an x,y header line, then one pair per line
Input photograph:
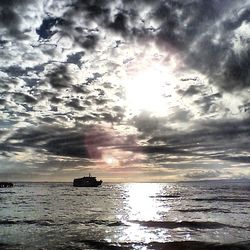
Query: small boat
x,y
6,184
87,181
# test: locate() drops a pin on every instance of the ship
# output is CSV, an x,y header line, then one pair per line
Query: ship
x,y
6,184
87,181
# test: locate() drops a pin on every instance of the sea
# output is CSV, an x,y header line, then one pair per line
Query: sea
x,y
184,215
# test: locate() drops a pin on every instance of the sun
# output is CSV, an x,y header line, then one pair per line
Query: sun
x,y
148,90
110,160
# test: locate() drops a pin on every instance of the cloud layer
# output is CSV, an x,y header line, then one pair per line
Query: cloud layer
x,y
67,104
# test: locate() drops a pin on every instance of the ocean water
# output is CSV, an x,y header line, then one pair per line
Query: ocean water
x,y
201,215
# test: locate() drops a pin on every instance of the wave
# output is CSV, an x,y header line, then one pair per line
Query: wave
x,y
199,245
108,223
189,224
195,210
7,222
179,245
106,245
224,199
166,196
30,222
6,246
101,222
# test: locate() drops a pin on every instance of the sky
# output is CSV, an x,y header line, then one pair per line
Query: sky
x,y
128,90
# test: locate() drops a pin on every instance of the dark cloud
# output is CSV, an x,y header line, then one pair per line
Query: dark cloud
x,y
218,60
236,73
54,140
100,101
3,43
239,16
87,118
192,90
82,142
2,101
48,119
94,10
208,103
7,82
245,107
24,98
12,3
31,82
119,24
224,140
96,75
59,78
7,149
163,149
10,17
87,42
81,89
78,31
75,103
68,145
147,123
56,100
75,58
180,115
44,31
111,117
7,14
15,71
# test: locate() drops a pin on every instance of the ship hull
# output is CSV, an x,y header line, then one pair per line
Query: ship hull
x,y
6,184
77,183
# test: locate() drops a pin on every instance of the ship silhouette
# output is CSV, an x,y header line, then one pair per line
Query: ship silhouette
x,y
87,181
6,184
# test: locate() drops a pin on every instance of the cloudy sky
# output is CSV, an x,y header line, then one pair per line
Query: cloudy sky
x,y
129,90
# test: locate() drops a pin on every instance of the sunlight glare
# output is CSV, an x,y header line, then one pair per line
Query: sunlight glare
x,y
141,202
147,90
110,160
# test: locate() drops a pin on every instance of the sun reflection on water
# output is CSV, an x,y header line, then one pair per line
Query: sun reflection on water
x,y
141,203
